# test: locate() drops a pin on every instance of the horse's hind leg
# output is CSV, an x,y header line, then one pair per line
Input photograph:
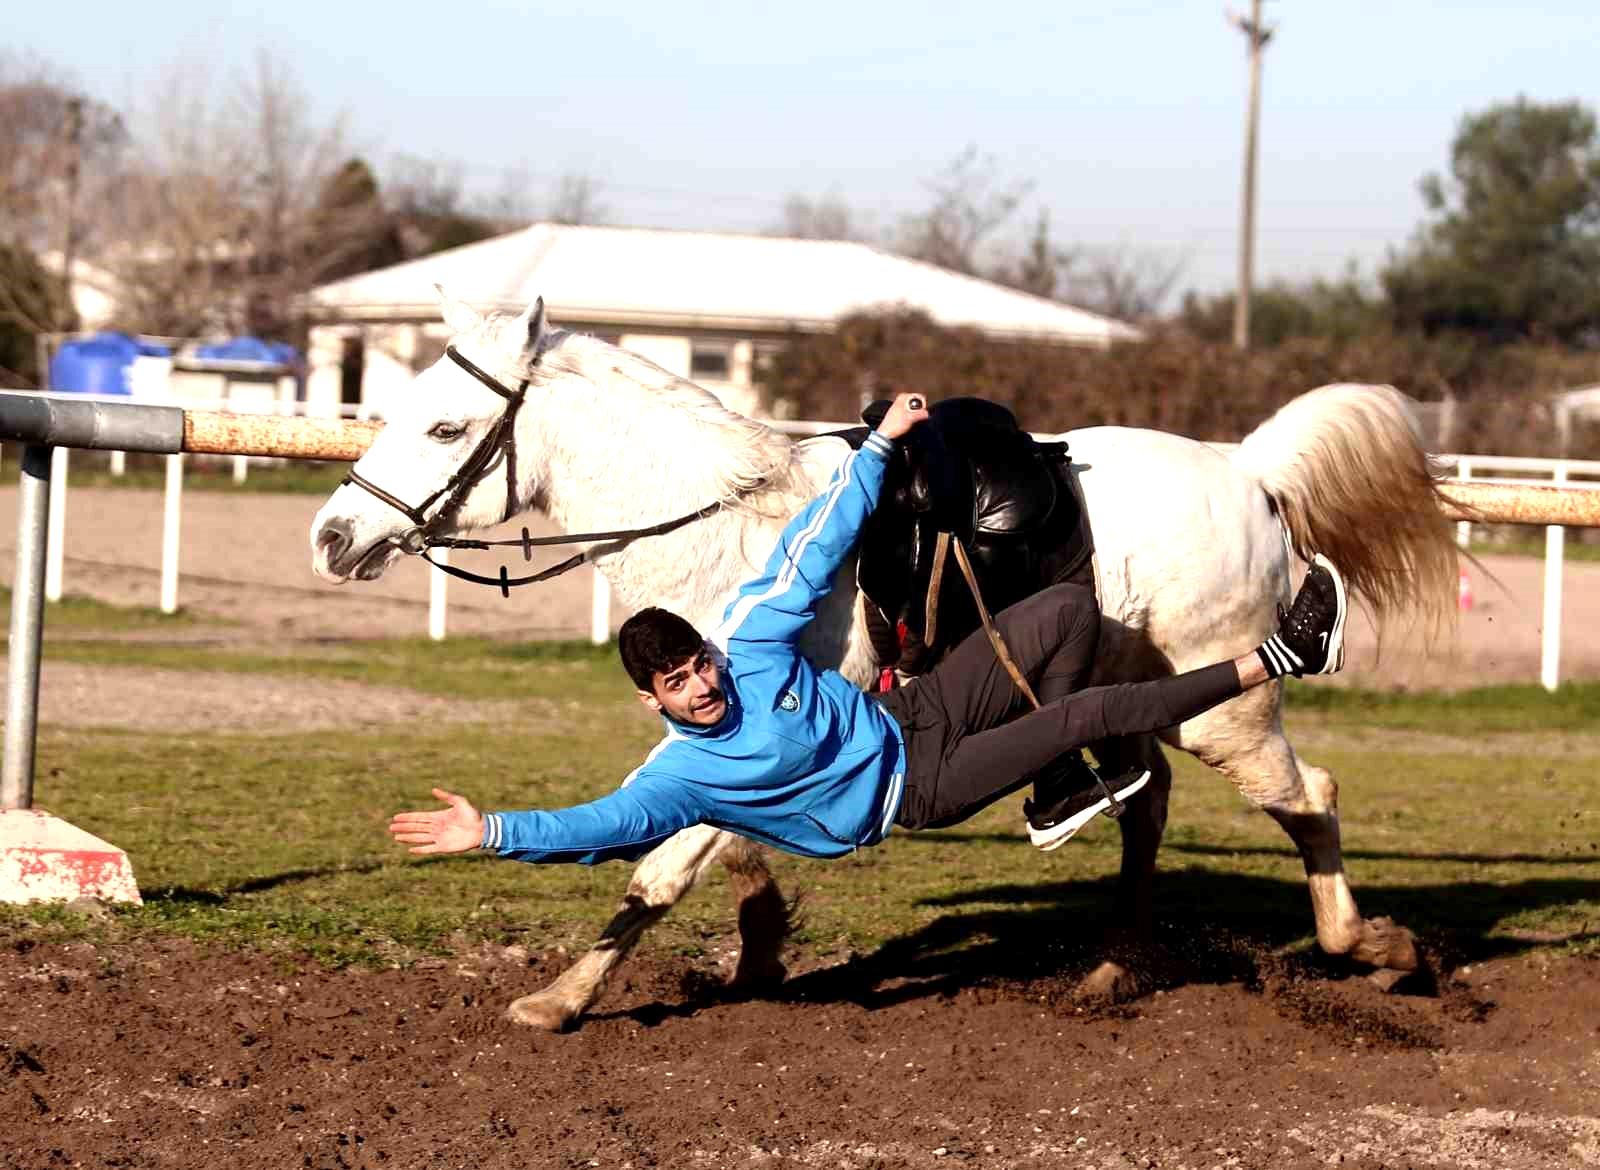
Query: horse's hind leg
x,y
1244,740
666,874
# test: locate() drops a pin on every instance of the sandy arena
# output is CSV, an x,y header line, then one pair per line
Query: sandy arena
x,y
168,1056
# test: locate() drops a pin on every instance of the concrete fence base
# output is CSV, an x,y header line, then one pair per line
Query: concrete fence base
x,y
45,859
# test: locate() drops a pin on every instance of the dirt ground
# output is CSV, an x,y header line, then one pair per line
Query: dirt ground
x,y
168,1055
164,1056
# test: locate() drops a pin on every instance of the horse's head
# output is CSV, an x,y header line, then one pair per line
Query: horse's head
x,y
446,459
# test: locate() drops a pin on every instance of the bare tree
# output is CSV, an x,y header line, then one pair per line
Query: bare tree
x,y
969,204
218,219
428,200
576,201
1039,266
826,217
56,143
428,187
511,205
1122,281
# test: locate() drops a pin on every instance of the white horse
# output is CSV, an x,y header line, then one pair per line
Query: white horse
x,y
1195,550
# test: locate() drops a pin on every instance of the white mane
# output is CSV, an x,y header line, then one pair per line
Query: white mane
x,y
738,460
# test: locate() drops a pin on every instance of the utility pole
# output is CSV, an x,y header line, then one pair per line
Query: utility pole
x,y
1258,35
74,165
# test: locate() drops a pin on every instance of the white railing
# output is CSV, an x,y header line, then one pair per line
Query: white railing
x,y
1496,468
1545,472
172,497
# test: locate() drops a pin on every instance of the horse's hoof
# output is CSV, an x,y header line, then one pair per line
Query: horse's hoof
x,y
757,976
543,1011
1387,979
1386,946
1109,983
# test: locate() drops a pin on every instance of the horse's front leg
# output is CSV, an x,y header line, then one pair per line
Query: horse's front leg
x,y
666,874
764,917
1142,825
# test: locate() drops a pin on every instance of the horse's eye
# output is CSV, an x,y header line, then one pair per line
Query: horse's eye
x,y
445,431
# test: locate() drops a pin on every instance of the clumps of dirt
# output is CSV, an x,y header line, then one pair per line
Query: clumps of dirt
x,y
19,1060
1348,1013
183,1056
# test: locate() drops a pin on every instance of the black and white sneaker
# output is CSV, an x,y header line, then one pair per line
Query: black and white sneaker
x,y
1310,637
1052,823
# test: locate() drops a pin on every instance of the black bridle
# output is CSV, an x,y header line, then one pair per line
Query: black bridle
x,y
499,439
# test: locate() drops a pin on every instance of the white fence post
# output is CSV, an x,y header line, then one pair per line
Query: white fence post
x,y
1555,539
171,528
600,610
241,468
436,597
119,463
1463,527
56,541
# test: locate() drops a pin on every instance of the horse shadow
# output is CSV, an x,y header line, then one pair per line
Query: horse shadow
x,y
1212,928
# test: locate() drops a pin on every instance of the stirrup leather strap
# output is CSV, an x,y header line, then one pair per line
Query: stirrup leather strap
x,y
941,550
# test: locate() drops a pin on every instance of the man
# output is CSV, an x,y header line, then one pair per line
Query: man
x,y
761,742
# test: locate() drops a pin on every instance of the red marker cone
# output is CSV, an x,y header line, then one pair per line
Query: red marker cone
x,y
1464,592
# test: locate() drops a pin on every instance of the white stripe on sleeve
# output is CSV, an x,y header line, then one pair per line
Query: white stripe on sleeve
x,y
786,575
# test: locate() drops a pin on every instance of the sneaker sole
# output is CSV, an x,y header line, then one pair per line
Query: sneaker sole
x,y
1334,660
1058,835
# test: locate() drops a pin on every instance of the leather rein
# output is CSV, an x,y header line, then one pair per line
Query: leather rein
x,y
499,440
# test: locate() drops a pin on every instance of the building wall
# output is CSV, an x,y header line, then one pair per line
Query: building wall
x,y
391,352
672,353
325,368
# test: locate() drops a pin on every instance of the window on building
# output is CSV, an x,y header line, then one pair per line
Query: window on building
x,y
351,363
711,360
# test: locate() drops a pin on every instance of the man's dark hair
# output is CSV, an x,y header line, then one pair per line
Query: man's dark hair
x,y
656,640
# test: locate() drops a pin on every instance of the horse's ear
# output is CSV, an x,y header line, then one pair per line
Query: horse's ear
x,y
460,316
537,329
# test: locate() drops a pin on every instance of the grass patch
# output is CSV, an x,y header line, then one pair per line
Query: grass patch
x,y
1520,544
81,615
1505,708
464,668
148,473
279,841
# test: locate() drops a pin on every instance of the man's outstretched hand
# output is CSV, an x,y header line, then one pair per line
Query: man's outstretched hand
x,y
905,412
449,830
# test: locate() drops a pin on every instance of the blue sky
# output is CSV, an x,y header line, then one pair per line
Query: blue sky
x,y
1127,118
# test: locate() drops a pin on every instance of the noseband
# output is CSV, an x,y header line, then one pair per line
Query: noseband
x,y
500,439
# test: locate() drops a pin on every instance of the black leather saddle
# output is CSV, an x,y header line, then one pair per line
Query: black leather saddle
x,y
971,471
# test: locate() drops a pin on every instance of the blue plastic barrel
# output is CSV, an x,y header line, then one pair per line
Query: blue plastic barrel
x,y
94,365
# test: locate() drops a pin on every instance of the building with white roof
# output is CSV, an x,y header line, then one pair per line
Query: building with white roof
x,y
705,305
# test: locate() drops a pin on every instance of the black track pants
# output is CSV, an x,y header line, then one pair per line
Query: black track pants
x,y
971,735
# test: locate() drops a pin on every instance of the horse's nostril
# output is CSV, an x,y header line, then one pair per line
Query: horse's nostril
x,y
334,539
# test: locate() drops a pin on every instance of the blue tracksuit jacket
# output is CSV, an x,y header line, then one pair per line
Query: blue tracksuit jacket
x,y
802,760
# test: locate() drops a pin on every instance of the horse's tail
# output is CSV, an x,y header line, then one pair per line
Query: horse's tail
x,y
1349,476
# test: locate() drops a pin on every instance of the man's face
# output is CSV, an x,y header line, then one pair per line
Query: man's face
x,y
691,692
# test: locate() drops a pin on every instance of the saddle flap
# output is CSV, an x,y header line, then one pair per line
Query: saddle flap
x,y
972,472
